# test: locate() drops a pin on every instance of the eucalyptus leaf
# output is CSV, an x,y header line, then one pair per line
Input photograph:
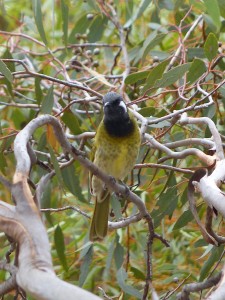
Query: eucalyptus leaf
x,y
56,165
84,270
130,290
116,206
209,263
134,77
211,46
155,74
172,75
196,70
214,12
152,41
60,246
142,7
47,103
65,16
72,182
118,255
166,205
36,5
183,220
71,122
5,71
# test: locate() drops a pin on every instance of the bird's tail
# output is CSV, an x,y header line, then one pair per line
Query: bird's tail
x,y
99,222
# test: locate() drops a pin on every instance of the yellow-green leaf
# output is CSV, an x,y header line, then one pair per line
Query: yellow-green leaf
x,y
5,71
211,46
196,70
173,75
60,246
214,12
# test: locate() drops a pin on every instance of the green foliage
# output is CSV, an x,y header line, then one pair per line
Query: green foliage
x,y
5,71
211,46
196,70
60,246
57,41
65,18
47,102
36,4
214,11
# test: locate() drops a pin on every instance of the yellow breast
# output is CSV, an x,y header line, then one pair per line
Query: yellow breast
x,y
115,156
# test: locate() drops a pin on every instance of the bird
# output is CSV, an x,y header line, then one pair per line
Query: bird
x,y
114,151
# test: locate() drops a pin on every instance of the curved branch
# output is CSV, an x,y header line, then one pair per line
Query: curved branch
x,y
199,286
206,143
33,239
10,284
212,127
207,159
165,167
23,160
219,293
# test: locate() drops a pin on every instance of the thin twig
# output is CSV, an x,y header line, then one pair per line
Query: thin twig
x,y
65,208
177,53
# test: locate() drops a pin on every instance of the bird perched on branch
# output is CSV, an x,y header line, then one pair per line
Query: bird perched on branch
x,y
115,150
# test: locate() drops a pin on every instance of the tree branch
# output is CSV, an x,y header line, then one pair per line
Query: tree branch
x,y
197,287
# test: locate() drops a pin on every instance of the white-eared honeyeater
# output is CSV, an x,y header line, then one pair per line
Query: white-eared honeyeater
x,y
115,149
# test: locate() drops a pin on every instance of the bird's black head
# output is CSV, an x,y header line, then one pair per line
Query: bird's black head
x,y
116,117
114,106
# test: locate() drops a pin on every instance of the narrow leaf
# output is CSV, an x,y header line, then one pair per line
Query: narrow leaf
x,y
46,201
84,249
155,74
47,103
152,41
211,46
80,27
166,204
60,246
51,138
173,75
144,4
3,163
97,28
36,4
11,64
214,12
109,257
214,257
121,277
5,71
116,206
196,70
71,122
221,4
118,255
65,16
72,182
38,90
55,165
137,273
134,77
147,111
183,220
84,270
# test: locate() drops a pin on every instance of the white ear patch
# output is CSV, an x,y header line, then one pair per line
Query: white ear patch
x,y
122,104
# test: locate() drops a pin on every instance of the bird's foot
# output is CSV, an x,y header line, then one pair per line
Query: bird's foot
x,y
127,191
